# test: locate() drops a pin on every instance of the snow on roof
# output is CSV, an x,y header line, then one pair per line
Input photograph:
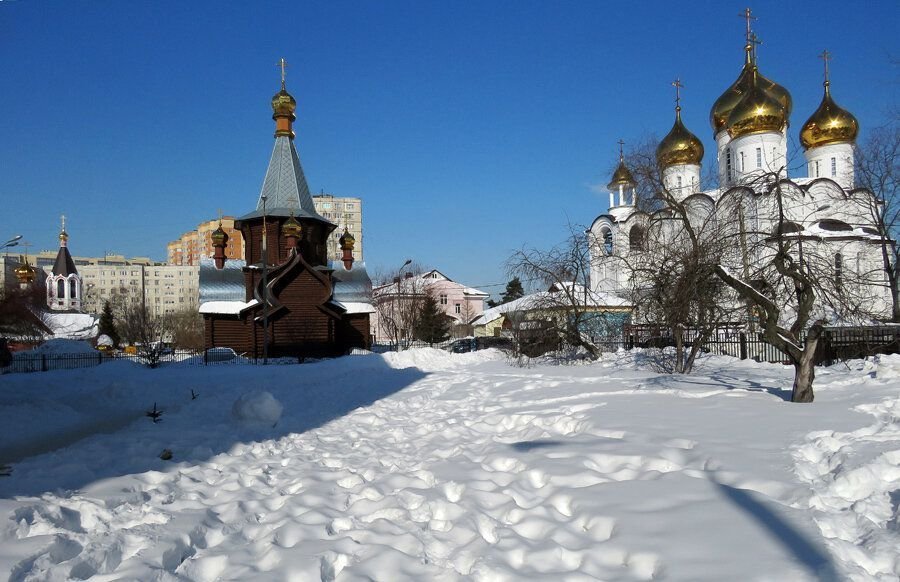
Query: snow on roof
x,y
72,326
353,307
226,307
543,299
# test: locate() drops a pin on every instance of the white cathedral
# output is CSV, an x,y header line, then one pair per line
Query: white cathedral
x,y
824,214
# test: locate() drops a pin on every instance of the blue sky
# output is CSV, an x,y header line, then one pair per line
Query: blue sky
x,y
469,129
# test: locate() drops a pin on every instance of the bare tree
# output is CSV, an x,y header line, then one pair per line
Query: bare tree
x,y
878,170
144,328
187,329
398,301
566,269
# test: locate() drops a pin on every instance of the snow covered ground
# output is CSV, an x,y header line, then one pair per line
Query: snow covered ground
x,y
426,465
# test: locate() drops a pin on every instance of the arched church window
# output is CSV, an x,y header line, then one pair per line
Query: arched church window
x,y
73,289
607,241
60,289
636,238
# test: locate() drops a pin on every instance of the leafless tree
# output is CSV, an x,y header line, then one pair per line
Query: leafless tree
x,y
878,170
398,300
187,329
566,269
144,328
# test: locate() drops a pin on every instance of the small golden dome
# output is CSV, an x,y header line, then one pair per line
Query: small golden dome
x,y
723,106
621,177
347,241
284,104
63,236
758,111
680,146
829,124
291,227
219,237
25,273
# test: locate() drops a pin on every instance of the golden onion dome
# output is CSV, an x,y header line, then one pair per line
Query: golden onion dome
x,y
25,273
680,146
723,106
347,241
291,227
758,111
219,237
621,177
829,124
284,104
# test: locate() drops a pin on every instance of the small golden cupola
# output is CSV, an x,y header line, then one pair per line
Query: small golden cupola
x,y
219,237
25,273
758,111
621,176
347,240
284,108
680,146
291,231
830,123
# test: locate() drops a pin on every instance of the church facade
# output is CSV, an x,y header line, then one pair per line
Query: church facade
x,y
285,298
828,222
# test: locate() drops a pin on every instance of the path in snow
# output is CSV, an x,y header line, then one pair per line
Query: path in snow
x,y
477,471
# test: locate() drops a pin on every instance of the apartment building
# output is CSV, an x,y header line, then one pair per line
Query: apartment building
x,y
345,212
196,244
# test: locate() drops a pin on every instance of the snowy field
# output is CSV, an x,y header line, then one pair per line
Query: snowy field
x,y
426,465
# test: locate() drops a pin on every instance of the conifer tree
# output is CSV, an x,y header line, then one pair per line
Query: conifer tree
x,y
513,291
108,324
433,325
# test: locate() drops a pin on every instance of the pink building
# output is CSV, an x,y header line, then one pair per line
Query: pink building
x,y
396,304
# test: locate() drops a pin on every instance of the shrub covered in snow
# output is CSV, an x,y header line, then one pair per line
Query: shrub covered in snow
x,y
257,408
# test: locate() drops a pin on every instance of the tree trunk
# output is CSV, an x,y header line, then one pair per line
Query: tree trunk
x,y
678,334
805,367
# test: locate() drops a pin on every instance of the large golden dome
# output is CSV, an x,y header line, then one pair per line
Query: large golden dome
x,y
621,177
680,146
723,106
758,111
829,124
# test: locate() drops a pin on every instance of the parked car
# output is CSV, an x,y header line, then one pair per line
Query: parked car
x,y
220,355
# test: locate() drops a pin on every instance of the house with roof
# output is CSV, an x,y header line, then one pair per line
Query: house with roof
x,y
398,300
539,317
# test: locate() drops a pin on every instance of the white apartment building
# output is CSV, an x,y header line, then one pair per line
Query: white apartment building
x,y
345,212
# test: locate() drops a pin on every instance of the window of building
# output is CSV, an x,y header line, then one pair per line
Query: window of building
x,y
60,288
679,182
636,238
457,308
743,167
607,241
728,164
72,288
443,298
833,167
817,168
838,271
759,157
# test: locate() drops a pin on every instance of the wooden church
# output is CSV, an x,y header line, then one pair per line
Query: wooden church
x,y
285,298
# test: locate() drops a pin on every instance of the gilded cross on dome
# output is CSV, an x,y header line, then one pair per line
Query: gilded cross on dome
x,y
825,56
621,155
677,84
748,15
283,64
62,218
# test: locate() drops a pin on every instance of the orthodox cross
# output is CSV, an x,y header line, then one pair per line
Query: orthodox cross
x,y
746,14
220,217
825,56
283,64
621,155
62,217
677,84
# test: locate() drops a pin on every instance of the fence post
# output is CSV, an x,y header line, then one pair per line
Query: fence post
x,y
743,341
43,362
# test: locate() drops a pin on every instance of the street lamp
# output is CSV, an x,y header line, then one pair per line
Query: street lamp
x,y
14,241
265,257
397,321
